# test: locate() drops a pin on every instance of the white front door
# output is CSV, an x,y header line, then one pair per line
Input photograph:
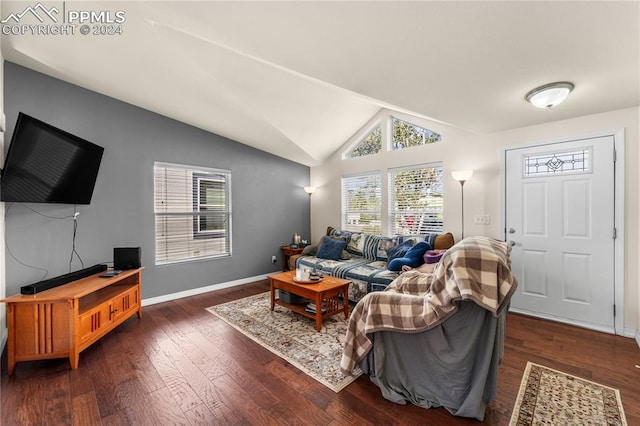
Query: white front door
x,y
559,201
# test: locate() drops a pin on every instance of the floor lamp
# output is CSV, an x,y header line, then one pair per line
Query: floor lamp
x,y
462,176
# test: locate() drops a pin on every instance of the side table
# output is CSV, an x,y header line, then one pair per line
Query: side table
x,y
287,252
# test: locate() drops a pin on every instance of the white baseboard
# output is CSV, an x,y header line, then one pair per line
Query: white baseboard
x,y
200,290
627,332
595,327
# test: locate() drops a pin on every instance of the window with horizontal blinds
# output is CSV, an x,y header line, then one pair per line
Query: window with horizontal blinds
x,y
416,199
362,203
192,207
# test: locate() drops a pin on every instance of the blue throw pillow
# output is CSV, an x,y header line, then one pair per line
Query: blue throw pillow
x,y
413,257
330,248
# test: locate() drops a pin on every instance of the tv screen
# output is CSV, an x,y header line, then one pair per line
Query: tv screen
x,y
48,165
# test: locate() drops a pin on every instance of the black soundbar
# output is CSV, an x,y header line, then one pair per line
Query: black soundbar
x,y
62,279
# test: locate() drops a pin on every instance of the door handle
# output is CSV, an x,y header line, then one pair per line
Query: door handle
x,y
512,231
512,243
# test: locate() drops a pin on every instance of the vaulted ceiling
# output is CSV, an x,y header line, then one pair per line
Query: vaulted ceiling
x,y
298,78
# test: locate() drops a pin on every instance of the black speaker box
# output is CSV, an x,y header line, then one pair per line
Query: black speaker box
x,y
126,258
62,279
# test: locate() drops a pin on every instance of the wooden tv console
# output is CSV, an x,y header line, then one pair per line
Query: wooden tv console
x,y
63,321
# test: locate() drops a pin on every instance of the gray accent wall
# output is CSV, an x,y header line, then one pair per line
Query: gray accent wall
x,y
268,200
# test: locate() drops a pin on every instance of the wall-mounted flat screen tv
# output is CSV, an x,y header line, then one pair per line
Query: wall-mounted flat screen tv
x,y
45,164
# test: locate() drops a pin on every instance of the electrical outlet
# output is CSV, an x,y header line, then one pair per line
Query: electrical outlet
x,y
274,259
482,219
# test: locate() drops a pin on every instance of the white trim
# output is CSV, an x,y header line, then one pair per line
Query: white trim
x,y
344,213
618,244
589,326
630,333
619,209
392,147
383,118
192,168
391,194
167,185
200,290
360,135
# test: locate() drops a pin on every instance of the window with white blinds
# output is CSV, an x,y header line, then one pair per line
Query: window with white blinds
x,y
362,203
416,199
192,208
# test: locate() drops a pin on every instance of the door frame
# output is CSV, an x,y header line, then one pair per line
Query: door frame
x,y
619,211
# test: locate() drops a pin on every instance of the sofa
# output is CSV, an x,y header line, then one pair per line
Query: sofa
x,y
364,258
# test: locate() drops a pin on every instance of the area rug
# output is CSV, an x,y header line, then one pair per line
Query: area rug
x,y
292,337
551,397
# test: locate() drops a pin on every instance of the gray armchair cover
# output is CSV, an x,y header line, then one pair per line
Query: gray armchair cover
x,y
453,365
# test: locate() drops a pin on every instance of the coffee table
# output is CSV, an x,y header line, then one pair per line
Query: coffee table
x,y
327,290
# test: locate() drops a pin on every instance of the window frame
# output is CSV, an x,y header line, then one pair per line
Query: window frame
x,y
363,135
198,179
393,211
176,200
345,212
393,145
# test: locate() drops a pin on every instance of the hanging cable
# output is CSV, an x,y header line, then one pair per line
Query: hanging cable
x,y
74,252
46,272
6,245
50,217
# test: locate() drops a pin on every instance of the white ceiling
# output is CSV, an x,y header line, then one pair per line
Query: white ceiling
x,y
298,78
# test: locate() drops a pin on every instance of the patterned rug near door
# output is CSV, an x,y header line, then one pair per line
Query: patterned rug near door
x,y
551,397
292,337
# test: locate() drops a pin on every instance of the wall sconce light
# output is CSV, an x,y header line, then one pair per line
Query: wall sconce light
x,y
549,95
310,190
462,176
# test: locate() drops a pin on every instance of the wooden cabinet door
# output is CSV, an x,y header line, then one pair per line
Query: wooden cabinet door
x,y
125,303
39,329
95,321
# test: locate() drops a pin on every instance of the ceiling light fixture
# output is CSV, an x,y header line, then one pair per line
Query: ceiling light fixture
x,y
549,95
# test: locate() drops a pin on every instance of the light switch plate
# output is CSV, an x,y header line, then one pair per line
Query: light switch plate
x,y
482,219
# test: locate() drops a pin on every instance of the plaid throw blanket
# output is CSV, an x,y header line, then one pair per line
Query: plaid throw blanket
x,y
477,269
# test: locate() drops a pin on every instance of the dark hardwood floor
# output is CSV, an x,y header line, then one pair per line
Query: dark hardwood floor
x,y
181,365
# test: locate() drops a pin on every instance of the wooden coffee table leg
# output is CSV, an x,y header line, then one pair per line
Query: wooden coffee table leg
x,y
273,293
319,311
345,301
